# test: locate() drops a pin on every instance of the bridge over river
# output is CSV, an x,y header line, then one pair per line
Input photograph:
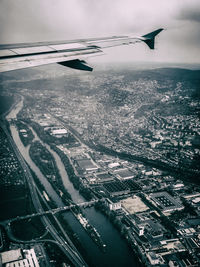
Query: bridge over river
x,y
51,211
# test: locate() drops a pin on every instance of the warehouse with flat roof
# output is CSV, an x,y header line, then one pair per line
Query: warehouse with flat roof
x,y
124,174
19,258
166,202
86,165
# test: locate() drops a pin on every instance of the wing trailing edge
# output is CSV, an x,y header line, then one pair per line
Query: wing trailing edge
x,y
67,53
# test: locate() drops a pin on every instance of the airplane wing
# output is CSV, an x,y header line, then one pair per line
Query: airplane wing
x,y
67,53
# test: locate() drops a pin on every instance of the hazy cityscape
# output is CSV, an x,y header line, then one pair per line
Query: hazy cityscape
x,y
100,169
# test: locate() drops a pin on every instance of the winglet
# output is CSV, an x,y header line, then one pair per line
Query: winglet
x,y
149,38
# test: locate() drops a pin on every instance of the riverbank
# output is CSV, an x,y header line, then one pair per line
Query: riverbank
x,y
117,251
6,104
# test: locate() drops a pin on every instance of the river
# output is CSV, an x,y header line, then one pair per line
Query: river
x,y
117,251
5,103
25,152
76,197
13,113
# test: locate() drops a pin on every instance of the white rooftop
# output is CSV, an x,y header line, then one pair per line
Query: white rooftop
x,y
59,131
11,255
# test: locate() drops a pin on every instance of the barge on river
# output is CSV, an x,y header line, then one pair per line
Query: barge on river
x,y
93,233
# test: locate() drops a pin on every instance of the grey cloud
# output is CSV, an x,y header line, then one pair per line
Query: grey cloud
x,y
190,13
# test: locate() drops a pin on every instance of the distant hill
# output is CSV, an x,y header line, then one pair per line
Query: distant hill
x,y
56,77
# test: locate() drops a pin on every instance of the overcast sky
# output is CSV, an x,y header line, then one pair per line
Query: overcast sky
x,y
42,20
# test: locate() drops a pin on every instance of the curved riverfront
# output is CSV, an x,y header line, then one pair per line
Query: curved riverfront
x,y
76,197
117,251
127,140
25,153
6,103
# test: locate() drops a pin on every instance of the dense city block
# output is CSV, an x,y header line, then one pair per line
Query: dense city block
x,y
126,142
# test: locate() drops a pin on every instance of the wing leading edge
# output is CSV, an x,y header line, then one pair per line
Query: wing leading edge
x,y
66,53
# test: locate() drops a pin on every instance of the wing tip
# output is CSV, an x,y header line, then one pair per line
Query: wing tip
x,y
149,38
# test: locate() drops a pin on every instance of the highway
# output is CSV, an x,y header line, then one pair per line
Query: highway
x,y
65,244
60,226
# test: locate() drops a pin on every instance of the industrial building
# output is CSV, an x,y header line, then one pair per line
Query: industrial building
x,y
124,174
86,165
113,204
165,202
19,258
154,258
57,131
104,177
